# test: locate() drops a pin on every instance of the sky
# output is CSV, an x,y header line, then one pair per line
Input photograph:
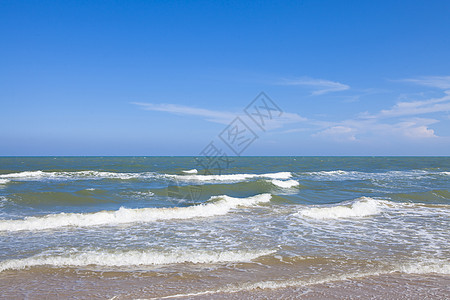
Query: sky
x,y
186,77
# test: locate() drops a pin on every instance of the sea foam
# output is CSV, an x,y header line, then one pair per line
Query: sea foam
x,y
425,266
358,175
190,175
133,258
75,175
217,205
286,184
361,207
231,177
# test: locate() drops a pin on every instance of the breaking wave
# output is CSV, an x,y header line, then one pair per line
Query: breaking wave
x,y
357,175
190,175
217,205
361,207
286,184
76,175
232,177
132,258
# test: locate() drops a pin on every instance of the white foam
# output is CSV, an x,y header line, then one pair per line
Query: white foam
x,y
425,266
231,177
286,184
26,174
133,258
144,194
190,175
217,205
333,173
4,181
76,175
3,201
361,207
357,175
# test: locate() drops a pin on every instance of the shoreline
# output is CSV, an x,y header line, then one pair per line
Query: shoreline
x,y
80,284
387,286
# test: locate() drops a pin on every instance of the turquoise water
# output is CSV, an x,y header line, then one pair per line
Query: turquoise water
x,y
261,221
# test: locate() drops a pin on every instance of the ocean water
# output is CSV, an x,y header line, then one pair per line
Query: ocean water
x,y
150,227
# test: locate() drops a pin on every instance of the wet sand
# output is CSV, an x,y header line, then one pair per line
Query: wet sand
x,y
392,286
117,285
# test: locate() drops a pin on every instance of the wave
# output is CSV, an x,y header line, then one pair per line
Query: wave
x,y
217,205
231,177
285,184
133,258
4,181
366,206
76,175
92,175
425,267
432,196
357,175
3,201
361,207
143,193
63,198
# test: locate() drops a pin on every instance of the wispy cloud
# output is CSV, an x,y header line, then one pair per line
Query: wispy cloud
x,y
401,120
413,108
441,82
221,117
320,86
209,115
285,119
418,107
354,129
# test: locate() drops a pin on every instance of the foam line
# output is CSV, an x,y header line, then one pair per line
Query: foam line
x,y
361,207
132,258
217,205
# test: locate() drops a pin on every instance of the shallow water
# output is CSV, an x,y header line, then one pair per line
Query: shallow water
x,y
153,226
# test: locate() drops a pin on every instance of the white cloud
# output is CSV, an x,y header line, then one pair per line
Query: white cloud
x,y
441,82
209,115
418,107
401,121
321,86
354,129
413,131
284,119
295,130
349,130
339,132
221,117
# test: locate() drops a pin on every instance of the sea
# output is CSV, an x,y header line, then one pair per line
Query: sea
x,y
255,228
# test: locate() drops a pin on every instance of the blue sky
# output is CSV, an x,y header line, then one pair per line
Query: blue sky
x,y
168,77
